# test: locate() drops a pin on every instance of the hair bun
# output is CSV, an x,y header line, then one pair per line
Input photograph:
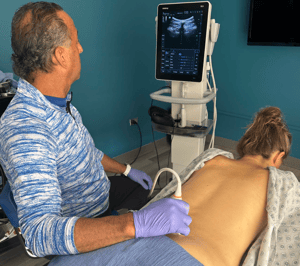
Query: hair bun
x,y
269,116
267,133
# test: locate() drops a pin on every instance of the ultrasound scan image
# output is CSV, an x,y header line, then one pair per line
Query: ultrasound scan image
x,y
181,32
185,27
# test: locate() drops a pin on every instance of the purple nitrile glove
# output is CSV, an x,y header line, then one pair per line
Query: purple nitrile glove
x,y
139,177
162,217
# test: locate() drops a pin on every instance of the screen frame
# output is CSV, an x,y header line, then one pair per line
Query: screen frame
x,y
203,43
251,41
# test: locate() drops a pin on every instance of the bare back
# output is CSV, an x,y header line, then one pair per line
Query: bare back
x,y
228,206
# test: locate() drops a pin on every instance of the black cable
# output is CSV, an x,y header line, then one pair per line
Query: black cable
x,y
155,149
167,86
170,154
141,138
3,177
155,143
134,123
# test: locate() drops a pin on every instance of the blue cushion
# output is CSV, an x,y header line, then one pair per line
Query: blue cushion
x,y
9,206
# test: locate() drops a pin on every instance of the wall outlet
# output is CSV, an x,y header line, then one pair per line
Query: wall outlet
x,y
133,121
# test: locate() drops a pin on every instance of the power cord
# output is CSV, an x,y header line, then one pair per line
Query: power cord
x,y
141,138
135,123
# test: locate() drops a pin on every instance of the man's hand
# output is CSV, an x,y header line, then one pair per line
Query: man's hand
x,y
162,217
140,177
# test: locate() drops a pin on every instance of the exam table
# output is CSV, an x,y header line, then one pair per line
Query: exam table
x,y
278,243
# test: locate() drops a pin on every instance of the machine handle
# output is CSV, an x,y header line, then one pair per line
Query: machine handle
x,y
208,96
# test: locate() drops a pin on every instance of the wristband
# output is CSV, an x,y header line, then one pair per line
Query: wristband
x,y
128,168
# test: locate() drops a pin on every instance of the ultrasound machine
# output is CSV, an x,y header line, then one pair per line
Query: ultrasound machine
x,y
185,38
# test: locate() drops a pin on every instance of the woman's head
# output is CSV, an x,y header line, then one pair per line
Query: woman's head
x,y
268,133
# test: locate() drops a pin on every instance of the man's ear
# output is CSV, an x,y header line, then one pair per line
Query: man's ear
x,y
60,57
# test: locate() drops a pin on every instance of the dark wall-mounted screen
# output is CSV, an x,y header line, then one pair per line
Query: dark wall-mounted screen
x,y
181,35
274,22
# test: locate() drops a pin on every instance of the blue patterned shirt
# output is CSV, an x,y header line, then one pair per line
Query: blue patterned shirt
x,y
53,168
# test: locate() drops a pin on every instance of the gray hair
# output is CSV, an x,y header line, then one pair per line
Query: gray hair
x,y
36,32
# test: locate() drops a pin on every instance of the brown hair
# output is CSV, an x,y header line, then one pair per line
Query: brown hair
x,y
268,133
36,31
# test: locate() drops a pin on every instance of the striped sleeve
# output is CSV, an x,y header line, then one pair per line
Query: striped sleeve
x,y
31,153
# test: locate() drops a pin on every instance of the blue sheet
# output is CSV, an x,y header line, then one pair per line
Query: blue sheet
x,y
152,251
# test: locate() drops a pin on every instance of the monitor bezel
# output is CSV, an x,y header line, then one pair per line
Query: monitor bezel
x,y
251,41
205,6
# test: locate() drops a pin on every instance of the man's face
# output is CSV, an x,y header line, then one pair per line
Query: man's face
x,y
74,50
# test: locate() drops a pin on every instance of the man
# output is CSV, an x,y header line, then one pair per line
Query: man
x,y
55,172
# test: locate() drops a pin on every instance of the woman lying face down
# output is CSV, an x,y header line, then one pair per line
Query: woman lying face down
x,y
228,197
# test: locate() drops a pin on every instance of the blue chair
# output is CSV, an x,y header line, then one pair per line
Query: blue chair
x,y
9,207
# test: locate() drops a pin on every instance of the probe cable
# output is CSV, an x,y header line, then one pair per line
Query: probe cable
x,y
212,141
177,195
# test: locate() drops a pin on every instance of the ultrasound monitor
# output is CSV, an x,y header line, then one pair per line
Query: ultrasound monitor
x,y
181,38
